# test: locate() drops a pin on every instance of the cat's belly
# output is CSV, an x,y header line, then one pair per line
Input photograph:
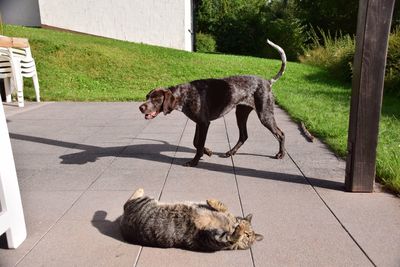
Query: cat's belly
x,y
205,221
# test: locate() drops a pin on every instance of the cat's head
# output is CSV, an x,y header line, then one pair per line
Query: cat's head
x,y
247,234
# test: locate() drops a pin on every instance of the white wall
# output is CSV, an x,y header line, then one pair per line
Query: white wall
x,y
158,22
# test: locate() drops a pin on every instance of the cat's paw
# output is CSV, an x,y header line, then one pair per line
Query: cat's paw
x,y
217,205
138,193
240,228
208,152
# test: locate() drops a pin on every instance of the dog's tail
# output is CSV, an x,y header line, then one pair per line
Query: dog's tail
x,y
283,58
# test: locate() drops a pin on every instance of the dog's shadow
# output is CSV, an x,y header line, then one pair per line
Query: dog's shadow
x,y
160,151
107,227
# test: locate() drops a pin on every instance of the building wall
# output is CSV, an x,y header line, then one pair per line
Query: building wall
x,y
165,23
20,12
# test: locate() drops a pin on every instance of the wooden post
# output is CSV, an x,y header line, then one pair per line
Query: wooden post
x,y
373,27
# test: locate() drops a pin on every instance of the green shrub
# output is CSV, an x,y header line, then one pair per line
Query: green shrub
x,y
287,33
392,79
335,54
243,26
1,25
205,43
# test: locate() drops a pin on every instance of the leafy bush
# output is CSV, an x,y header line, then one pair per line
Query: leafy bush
x,y
336,54
1,25
243,27
205,43
392,79
328,15
288,33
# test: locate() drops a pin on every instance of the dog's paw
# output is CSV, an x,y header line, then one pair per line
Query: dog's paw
x,y
191,163
227,154
280,155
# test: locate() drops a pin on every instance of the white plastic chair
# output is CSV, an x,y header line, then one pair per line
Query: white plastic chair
x,y
22,65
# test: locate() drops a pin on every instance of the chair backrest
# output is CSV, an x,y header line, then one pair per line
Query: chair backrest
x,y
22,52
5,63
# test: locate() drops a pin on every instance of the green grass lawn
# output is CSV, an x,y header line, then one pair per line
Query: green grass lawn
x,y
75,67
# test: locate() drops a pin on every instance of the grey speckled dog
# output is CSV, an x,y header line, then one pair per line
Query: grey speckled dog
x,y
206,100
193,226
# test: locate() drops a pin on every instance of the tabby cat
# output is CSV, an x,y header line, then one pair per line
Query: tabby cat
x,y
193,226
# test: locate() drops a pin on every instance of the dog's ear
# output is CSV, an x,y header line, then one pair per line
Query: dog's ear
x,y
169,102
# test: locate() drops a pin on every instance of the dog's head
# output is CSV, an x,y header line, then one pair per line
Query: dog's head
x,y
156,101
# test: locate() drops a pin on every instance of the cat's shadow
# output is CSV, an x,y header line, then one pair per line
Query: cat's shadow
x,y
107,227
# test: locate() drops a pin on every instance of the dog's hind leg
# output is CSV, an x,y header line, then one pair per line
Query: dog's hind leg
x,y
268,120
242,114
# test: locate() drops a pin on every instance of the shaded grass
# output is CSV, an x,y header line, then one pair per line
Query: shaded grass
x,y
75,67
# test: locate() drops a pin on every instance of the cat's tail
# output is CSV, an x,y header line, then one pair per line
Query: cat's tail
x,y
138,193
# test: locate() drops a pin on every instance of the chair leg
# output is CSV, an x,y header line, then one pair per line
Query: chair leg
x,y
36,85
20,91
8,89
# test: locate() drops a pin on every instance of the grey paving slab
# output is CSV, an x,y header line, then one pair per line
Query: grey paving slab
x,y
372,219
152,179
41,212
77,243
77,163
60,179
92,203
12,108
174,257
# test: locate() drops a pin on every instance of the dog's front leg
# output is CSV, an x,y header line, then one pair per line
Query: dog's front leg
x,y
207,151
199,142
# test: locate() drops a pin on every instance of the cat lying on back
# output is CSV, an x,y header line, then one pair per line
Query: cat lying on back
x,y
193,226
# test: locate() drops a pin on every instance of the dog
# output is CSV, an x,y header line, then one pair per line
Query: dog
x,y
205,100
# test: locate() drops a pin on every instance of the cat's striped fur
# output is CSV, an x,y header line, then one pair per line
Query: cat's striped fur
x,y
194,226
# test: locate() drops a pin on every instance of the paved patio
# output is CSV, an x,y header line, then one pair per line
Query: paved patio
x,y
77,163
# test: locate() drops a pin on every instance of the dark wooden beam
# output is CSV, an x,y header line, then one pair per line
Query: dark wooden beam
x,y
373,27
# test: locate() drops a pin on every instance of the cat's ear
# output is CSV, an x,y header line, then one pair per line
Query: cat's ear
x,y
249,217
259,237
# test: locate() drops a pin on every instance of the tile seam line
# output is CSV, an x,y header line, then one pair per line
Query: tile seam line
x,y
173,159
237,185
331,211
163,186
43,104
73,203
